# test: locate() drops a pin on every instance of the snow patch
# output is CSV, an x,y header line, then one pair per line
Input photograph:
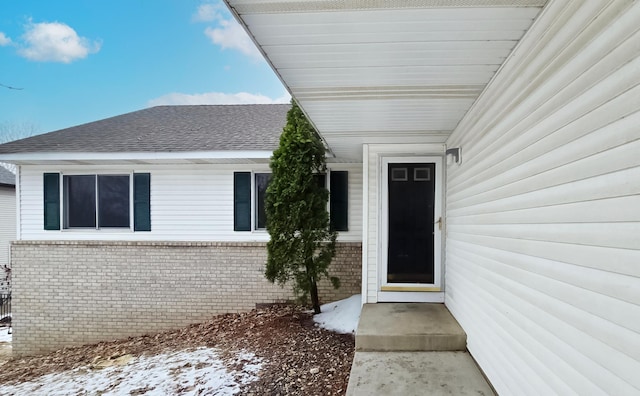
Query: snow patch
x,y
196,372
340,316
5,336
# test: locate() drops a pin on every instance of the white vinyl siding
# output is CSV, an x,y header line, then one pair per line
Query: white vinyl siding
x,y
7,223
188,203
543,214
371,247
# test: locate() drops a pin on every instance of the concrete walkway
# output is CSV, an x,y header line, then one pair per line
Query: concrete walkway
x,y
416,373
412,349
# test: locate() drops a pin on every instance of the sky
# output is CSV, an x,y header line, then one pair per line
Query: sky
x,y
69,62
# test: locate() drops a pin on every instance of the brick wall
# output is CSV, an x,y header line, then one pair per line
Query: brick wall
x,y
75,292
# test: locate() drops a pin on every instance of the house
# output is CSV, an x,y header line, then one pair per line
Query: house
x,y
508,128
152,220
7,221
500,152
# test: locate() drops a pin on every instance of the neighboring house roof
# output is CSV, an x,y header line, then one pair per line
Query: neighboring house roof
x,y
165,129
7,178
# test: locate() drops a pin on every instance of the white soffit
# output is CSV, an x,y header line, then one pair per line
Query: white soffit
x,y
385,71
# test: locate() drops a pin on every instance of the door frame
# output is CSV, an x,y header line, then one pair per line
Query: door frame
x,y
410,292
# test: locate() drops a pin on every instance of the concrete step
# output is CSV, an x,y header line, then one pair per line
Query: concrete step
x,y
416,374
408,327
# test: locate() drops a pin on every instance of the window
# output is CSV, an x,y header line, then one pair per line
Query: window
x,y
97,201
261,183
79,201
399,174
421,174
244,207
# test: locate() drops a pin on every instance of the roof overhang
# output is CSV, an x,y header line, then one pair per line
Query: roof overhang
x,y
385,71
180,157
148,158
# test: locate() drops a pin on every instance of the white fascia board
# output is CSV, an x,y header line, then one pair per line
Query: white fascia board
x,y
132,156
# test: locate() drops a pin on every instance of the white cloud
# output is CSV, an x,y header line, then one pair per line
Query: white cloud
x,y
229,34
55,42
4,40
226,32
217,98
207,13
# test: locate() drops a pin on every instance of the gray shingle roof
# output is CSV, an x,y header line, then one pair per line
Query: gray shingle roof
x,y
6,177
167,129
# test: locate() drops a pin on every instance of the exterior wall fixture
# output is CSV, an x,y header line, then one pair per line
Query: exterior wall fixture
x,y
453,156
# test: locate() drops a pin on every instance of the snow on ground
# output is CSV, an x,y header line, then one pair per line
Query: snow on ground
x,y
193,372
4,334
196,372
340,316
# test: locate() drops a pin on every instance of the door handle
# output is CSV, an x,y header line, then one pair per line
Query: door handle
x,y
439,223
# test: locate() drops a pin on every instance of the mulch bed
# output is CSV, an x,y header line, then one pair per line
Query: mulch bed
x,y
298,357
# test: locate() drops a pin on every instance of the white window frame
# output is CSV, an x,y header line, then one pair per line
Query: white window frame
x,y
97,228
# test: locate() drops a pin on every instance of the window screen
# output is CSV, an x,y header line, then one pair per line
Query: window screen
x,y
108,196
262,181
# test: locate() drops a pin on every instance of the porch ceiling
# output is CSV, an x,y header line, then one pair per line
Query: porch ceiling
x,y
385,71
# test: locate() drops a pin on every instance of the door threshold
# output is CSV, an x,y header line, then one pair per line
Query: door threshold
x,y
398,288
411,296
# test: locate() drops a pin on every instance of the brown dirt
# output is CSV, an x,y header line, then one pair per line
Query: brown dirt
x,y
5,352
298,358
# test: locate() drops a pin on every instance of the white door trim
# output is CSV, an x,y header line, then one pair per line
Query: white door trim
x,y
412,292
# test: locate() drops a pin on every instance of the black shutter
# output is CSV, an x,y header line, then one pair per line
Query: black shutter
x,y
142,202
51,201
339,200
242,201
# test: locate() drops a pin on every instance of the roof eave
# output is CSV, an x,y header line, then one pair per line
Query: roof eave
x,y
141,157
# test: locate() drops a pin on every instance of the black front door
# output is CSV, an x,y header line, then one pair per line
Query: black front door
x,y
411,223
